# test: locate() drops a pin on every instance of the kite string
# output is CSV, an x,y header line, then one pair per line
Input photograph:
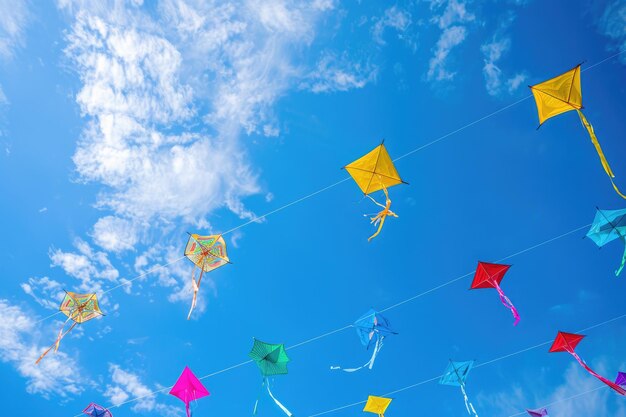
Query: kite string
x,y
389,308
476,366
306,197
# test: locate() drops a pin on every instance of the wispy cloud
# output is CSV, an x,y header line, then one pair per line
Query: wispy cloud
x,y
395,18
45,291
338,74
14,17
58,374
613,25
127,385
451,21
493,51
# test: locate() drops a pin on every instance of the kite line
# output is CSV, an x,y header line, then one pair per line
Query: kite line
x,y
256,219
489,362
329,333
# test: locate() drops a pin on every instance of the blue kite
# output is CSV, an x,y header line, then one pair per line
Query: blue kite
x,y
607,226
372,328
456,373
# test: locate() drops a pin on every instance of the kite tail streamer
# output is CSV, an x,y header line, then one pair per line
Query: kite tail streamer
x,y
508,304
468,404
369,364
278,403
616,387
619,270
596,144
380,219
196,286
187,409
56,343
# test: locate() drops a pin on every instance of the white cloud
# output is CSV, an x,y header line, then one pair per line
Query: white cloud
x,y
338,74
126,385
613,24
450,37
57,374
451,21
493,51
115,234
45,291
91,268
394,17
14,16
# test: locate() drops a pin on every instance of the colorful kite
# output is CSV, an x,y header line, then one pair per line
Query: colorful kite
x,y
374,172
562,94
456,373
271,360
372,328
567,342
377,405
542,412
489,276
207,253
607,226
621,379
95,410
188,388
78,308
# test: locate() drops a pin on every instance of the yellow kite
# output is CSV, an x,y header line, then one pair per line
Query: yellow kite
x,y
374,172
78,308
562,94
377,405
207,253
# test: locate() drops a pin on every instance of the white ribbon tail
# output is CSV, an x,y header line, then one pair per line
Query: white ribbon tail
x,y
468,404
369,364
278,403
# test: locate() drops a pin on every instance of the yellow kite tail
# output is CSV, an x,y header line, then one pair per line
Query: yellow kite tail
x,y
380,226
56,343
596,144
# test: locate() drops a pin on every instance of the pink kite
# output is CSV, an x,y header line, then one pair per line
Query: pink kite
x,y
188,388
567,342
489,276
541,412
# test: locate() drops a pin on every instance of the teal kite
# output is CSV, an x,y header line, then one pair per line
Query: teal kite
x,y
272,360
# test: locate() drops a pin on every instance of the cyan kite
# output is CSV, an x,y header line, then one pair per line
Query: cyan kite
x,y
272,360
455,375
372,328
607,226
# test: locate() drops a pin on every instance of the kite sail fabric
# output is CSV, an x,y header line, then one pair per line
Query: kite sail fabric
x,y
567,342
607,226
373,172
489,276
272,360
377,405
541,412
371,328
455,375
78,308
621,379
95,410
188,388
207,253
561,94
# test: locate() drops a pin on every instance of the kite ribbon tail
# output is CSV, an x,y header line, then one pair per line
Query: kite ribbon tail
x,y
619,270
596,144
195,286
508,304
377,347
381,221
256,403
56,343
468,404
278,403
616,387
187,409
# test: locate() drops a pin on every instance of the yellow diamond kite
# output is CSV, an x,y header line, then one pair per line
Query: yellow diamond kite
x,y
377,405
562,94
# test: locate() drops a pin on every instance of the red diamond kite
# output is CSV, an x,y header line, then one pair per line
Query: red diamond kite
x,y
489,276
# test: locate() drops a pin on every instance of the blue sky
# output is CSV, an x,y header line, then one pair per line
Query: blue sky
x,y
126,124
